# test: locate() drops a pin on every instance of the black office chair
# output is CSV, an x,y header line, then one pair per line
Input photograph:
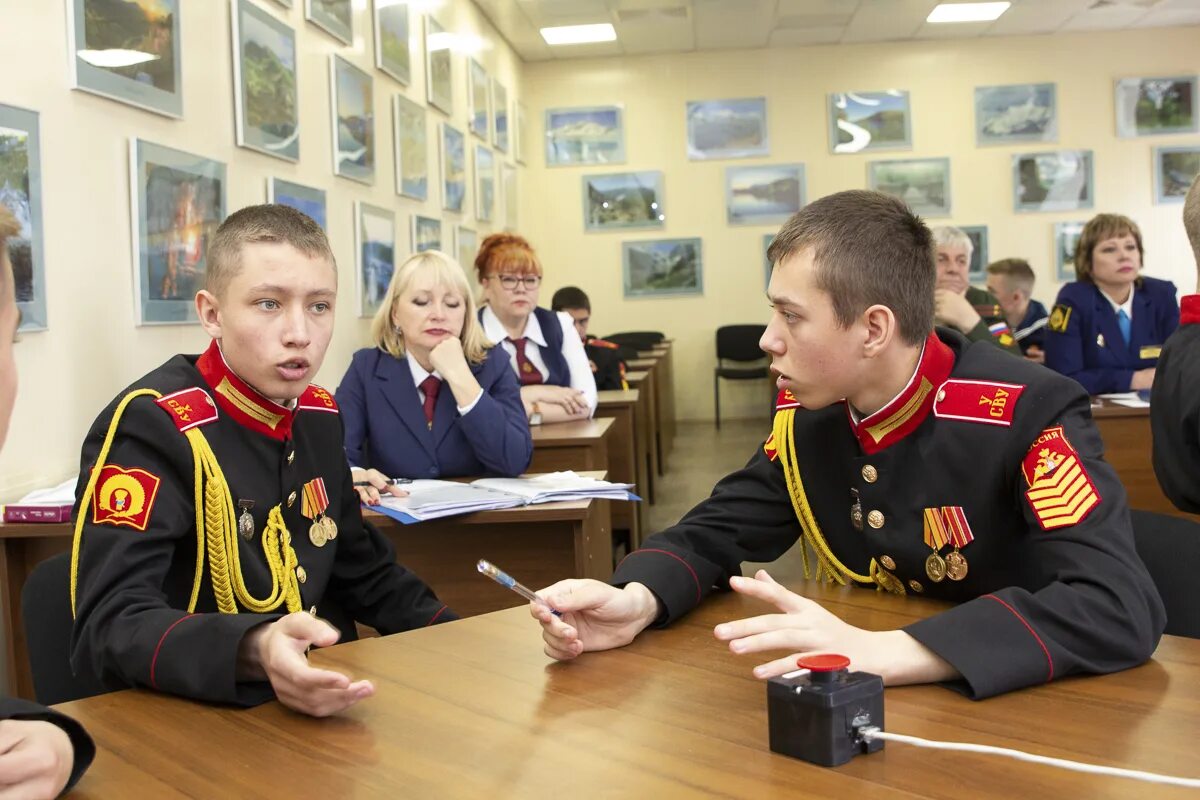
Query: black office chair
x,y
46,614
737,343
636,340
1170,548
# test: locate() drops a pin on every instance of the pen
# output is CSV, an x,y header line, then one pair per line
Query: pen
x,y
391,482
504,579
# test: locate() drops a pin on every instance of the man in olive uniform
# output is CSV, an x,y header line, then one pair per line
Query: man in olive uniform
x,y
216,516
906,459
976,313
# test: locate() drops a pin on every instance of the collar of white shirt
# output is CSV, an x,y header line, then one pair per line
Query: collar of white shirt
x,y
494,328
1127,306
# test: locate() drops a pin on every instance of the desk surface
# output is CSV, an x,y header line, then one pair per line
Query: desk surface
x,y
616,397
580,431
474,709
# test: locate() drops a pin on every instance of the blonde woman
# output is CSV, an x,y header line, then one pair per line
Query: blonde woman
x,y
432,398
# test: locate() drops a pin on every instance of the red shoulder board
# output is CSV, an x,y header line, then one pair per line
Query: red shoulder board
x,y
189,408
317,399
604,343
1060,492
124,497
977,401
786,400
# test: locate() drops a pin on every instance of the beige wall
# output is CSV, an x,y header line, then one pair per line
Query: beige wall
x,y
941,77
93,349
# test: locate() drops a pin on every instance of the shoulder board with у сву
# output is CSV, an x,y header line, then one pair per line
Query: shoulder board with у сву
x,y
189,408
977,401
316,398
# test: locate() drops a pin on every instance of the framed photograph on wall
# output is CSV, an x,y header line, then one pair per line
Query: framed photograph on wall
x,y
149,75
1026,112
500,116
439,88
923,183
727,128
869,121
594,135
1060,180
466,248
1154,106
485,184
977,270
335,17
411,143
509,179
1174,170
284,3
353,103
392,55
21,193
375,253
763,195
478,99
1066,237
623,200
266,98
302,198
521,138
177,201
663,267
426,234
454,168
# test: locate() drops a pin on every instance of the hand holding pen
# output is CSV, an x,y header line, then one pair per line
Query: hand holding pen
x,y
370,483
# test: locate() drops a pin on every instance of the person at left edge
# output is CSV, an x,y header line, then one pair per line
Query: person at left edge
x,y
434,398
216,517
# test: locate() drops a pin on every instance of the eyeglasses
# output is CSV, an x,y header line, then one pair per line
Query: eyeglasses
x,y
511,281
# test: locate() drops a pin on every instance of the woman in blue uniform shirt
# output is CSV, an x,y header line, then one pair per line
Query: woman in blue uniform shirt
x,y
1108,327
433,398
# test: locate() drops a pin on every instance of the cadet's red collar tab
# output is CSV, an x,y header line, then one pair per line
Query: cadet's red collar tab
x,y
189,408
785,399
1189,309
316,398
240,401
903,414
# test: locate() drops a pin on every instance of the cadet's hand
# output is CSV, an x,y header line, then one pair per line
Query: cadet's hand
x,y
1036,354
1142,379
379,483
278,650
595,616
952,308
808,628
35,759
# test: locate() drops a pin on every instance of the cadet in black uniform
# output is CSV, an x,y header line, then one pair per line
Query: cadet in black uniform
x,y
607,359
907,460
216,517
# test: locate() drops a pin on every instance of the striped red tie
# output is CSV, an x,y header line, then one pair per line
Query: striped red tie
x,y
526,371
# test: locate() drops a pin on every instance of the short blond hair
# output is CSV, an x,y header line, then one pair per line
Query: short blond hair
x,y
1016,272
269,222
1191,218
447,273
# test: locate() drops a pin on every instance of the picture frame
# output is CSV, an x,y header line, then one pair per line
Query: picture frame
x,y
734,128
352,103
511,198
393,57
922,183
521,138
1175,168
768,265
177,202
585,135
374,255
479,110
99,30
977,270
439,85
620,200
426,234
1157,106
265,88
663,267
466,248
1056,180
1022,112
335,17
1066,237
305,199
766,194
454,168
21,193
410,140
500,136
283,3
863,121
485,183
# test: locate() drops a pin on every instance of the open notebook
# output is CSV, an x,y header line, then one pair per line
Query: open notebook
x,y
433,499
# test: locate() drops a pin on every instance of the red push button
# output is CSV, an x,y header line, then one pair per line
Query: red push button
x,y
826,662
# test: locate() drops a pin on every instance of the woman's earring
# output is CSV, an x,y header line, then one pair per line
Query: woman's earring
x,y
399,332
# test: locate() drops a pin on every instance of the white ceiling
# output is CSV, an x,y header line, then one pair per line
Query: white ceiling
x,y
673,26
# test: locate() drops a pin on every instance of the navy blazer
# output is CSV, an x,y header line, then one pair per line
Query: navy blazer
x,y
386,428
1083,341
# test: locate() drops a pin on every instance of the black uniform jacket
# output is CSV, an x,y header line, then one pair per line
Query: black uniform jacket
x,y
1175,411
137,547
608,366
1054,585
81,743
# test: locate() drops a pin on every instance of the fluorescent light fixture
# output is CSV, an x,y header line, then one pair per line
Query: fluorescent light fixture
x,y
967,12
580,34
111,59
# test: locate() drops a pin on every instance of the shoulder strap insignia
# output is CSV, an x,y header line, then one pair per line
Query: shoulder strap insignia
x,y
316,398
786,399
1059,318
189,408
1060,493
977,401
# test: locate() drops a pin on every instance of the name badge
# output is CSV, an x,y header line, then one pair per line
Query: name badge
x,y
1150,351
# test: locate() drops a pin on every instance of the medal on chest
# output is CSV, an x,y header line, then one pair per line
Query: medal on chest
x,y
313,506
245,523
944,526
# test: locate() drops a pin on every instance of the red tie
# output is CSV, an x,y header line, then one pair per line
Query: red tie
x,y
526,371
430,387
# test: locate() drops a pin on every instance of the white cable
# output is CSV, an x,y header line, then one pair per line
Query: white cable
x,y
1150,777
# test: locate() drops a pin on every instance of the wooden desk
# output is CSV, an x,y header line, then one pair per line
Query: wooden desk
x,y
577,445
644,382
473,709
666,362
654,383
1126,435
626,457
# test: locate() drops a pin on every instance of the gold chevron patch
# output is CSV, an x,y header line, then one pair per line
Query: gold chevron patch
x,y
1060,492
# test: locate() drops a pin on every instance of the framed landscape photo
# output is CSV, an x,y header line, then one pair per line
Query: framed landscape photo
x,y
727,128
485,184
454,168
353,104
922,183
1174,170
128,50
302,198
1154,106
763,195
1066,237
426,234
478,99
177,201
466,248
623,200
521,138
1060,180
663,267
1026,112
509,179
500,116
266,97
21,193
392,56
375,254
335,17
439,88
411,143
593,135
870,121
978,234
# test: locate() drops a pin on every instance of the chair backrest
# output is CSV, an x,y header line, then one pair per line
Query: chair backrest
x,y
740,342
1170,548
636,340
46,614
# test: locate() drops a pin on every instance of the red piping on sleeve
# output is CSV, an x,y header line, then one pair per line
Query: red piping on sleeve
x,y
154,660
1032,633
695,578
435,616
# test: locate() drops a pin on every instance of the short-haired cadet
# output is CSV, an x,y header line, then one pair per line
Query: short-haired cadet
x,y
908,460
1011,281
973,312
604,357
433,398
216,527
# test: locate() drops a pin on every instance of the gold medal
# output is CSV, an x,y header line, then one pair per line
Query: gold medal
x,y
935,567
316,534
956,566
331,529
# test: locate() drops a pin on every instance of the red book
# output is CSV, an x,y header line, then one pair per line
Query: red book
x,y
37,513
